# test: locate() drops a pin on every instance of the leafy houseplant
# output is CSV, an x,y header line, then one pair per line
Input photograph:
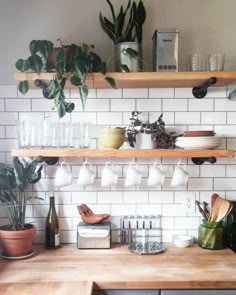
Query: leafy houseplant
x,y
72,62
120,30
156,130
13,184
17,238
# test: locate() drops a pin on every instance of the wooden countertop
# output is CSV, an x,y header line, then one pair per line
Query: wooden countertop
x,y
117,268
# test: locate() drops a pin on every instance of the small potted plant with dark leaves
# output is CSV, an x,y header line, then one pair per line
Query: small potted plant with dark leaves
x,y
125,29
69,62
145,135
17,236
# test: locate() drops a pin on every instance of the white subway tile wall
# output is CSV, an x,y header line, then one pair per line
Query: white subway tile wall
x,y
108,107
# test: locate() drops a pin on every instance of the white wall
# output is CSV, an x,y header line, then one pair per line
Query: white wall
x,y
205,26
113,108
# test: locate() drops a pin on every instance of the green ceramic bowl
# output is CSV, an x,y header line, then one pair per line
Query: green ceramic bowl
x,y
112,138
111,131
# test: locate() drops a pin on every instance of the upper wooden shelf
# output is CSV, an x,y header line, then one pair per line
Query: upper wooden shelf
x,y
121,153
143,79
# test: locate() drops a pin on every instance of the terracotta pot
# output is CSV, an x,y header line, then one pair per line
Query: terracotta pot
x,y
17,243
50,62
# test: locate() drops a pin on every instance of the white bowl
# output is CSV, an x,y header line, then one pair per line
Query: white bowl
x,y
197,146
199,138
182,240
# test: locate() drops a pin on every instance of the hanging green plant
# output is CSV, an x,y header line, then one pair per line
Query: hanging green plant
x,y
70,62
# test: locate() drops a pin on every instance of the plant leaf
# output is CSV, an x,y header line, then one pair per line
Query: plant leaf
x,y
73,52
63,83
23,87
70,106
103,68
85,48
95,62
124,68
83,91
52,88
110,32
79,69
140,17
46,48
22,65
75,80
59,67
36,63
111,81
58,55
61,109
34,46
113,14
132,52
129,29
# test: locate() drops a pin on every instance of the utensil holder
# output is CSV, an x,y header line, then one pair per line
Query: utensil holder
x,y
143,234
210,235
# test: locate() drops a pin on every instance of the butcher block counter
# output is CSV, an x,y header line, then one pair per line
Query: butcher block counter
x,y
73,270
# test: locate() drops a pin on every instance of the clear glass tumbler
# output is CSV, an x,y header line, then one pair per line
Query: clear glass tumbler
x,y
24,129
216,61
196,62
65,134
85,129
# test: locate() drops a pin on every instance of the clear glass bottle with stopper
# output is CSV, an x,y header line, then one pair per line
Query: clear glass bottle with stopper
x,y
52,239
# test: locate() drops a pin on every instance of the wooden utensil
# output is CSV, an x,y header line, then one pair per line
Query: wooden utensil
x,y
206,209
213,199
224,210
215,209
201,210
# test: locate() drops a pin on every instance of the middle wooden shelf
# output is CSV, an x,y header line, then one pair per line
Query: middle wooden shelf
x,y
122,153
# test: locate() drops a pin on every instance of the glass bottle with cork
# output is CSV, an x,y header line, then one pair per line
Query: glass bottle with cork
x,y
52,239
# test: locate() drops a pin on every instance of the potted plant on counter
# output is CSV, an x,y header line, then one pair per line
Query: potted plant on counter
x,y
126,35
72,62
17,237
145,135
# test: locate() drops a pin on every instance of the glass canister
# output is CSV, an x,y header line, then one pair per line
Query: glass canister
x,y
210,235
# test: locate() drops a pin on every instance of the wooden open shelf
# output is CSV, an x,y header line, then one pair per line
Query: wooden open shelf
x,y
123,153
143,79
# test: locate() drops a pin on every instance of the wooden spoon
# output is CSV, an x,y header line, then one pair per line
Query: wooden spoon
x,y
213,199
225,208
215,209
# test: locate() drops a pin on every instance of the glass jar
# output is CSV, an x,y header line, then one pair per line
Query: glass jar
x,y
210,235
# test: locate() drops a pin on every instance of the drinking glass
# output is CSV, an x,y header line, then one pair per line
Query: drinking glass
x,y
196,62
65,134
216,61
85,129
47,132
24,129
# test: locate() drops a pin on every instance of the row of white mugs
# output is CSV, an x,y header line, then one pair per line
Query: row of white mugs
x,y
110,176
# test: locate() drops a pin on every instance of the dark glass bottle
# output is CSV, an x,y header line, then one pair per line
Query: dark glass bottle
x,y
52,226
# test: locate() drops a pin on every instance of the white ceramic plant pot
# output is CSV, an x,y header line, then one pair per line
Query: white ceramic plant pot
x,y
144,141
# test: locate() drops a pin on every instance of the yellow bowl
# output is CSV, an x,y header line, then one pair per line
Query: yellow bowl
x,y
111,140
111,131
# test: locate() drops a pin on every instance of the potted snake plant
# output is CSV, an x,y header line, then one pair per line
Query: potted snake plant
x,y
17,236
69,62
125,29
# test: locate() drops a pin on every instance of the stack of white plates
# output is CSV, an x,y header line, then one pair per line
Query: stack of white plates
x,y
198,142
